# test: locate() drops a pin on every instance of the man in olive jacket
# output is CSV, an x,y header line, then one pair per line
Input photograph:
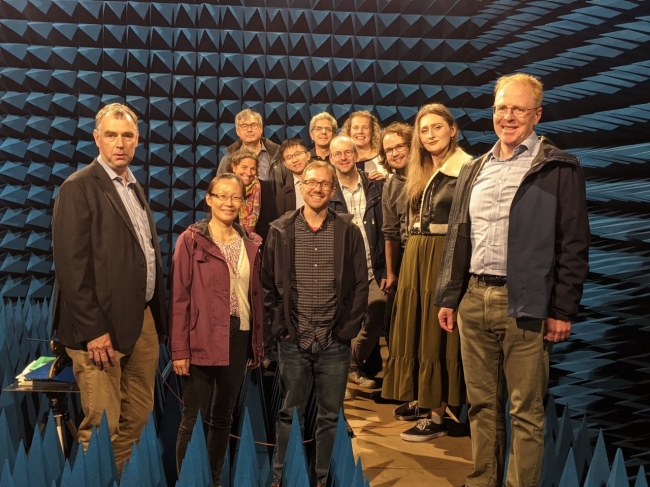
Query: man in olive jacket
x,y
109,296
315,285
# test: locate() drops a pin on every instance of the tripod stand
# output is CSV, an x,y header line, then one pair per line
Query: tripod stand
x,y
61,415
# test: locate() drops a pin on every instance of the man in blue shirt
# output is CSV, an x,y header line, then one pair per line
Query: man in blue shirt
x,y
514,264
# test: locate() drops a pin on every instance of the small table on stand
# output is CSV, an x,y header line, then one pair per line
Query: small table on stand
x,y
56,392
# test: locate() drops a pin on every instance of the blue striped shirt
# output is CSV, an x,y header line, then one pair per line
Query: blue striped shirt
x,y
489,206
138,216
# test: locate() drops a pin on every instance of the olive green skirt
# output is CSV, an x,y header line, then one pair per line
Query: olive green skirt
x,y
424,360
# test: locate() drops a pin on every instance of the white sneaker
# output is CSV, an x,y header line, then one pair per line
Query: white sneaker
x,y
361,380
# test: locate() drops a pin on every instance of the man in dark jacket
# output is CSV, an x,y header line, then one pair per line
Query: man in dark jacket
x,y
109,294
315,284
515,260
361,197
249,128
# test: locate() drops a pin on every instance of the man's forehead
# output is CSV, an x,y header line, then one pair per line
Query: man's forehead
x,y
319,173
248,120
114,121
343,144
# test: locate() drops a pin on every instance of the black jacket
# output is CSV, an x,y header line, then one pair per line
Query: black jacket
x,y
372,220
101,272
351,276
548,238
286,199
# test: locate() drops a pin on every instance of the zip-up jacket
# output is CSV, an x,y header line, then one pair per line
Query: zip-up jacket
x,y
548,238
351,276
200,299
372,220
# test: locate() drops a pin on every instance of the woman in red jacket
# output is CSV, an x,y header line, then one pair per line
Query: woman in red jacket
x,y
216,316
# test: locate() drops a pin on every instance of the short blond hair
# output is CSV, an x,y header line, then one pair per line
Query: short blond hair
x,y
533,83
321,165
116,110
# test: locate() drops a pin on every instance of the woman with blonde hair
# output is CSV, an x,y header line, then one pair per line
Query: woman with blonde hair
x,y
364,129
424,365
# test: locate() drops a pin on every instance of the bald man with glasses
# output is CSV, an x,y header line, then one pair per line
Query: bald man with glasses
x,y
513,268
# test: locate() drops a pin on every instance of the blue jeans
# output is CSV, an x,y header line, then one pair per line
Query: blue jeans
x,y
327,370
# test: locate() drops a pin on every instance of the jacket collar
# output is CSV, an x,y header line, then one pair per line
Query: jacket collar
x,y
202,228
453,164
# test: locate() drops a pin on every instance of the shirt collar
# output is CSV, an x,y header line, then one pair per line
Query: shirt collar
x,y
113,175
528,148
329,217
296,181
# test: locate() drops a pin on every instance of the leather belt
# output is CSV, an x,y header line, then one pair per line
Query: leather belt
x,y
490,280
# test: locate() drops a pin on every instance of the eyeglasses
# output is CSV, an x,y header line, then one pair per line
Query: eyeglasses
x,y
249,126
502,110
224,197
398,149
327,130
293,156
311,184
337,155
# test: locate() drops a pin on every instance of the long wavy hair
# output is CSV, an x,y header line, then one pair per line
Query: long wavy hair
x,y
420,166
375,140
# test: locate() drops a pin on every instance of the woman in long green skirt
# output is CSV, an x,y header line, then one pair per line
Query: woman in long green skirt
x,y
424,365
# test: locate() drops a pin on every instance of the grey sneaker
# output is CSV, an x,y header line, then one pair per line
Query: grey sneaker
x,y
410,411
424,430
361,380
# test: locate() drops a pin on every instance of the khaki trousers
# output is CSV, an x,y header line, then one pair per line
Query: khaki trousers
x,y
124,391
504,358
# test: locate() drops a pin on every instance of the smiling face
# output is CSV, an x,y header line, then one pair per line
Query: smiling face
x,y
435,134
224,211
318,198
343,155
246,170
510,129
116,139
396,149
296,158
361,131
322,133
249,130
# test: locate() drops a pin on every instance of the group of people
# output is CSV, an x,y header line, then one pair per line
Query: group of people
x,y
472,267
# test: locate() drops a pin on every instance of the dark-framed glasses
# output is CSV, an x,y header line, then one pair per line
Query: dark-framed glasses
x,y
502,110
312,184
249,126
235,198
398,149
296,154
337,155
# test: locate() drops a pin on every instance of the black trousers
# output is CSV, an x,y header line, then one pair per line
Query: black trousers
x,y
197,390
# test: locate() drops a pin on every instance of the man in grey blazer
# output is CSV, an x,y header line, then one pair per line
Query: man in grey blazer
x,y
109,297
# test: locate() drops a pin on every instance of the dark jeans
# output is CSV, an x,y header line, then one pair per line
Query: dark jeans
x,y
327,370
197,389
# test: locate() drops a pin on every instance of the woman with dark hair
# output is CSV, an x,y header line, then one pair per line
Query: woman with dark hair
x,y
258,209
424,365
364,129
216,316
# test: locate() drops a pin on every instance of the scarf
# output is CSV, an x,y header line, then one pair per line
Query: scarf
x,y
249,213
